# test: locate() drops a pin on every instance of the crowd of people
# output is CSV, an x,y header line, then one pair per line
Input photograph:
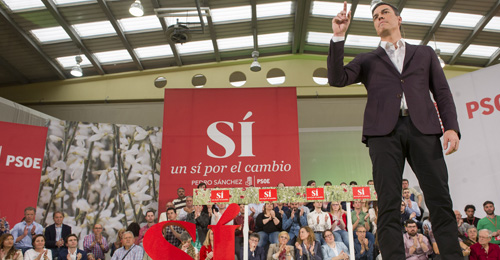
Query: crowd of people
x,y
283,231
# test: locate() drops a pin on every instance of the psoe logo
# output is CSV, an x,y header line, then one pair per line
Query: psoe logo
x,y
263,181
22,162
227,143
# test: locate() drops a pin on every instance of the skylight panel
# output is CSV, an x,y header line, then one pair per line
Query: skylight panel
x,y
327,8
419,16
52,34
69,61
444,47
23,5
154,51
231,14
494,24
184,17
273,38
69,2
143,23
234,43
461,19
412,41
362,12
318,37
195,47
362,41
480,50
113,56
92,29
274,9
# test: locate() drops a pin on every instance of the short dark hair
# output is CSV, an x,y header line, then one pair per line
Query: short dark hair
x,y
151,210
488,202
405,180
71,235
35,237
410,221
180,189
202,184
470,206
368,181
324,233
256,235
57,211
353,183
169,209
310,182
395,9
28,209
327,182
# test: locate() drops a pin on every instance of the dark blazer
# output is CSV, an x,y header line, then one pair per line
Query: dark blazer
x,y
385,86
50,235
259,254
306,255
64,253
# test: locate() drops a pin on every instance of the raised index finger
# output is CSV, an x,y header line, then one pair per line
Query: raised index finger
x,y
345,6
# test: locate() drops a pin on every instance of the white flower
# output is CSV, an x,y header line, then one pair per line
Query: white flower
x,y
83,205
101,131
141,134
60,164
55,139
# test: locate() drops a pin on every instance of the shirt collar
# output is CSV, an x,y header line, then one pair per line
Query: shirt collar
x,y
390,46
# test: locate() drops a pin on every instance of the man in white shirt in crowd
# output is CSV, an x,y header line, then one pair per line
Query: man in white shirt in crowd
x,y
129,250
25,230
319,221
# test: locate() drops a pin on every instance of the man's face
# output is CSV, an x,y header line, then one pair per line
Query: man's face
x,y
483,238
189,202
411,229
406,194
150,217
403,207
97,229
29,216
58,219
128,239
72,242
181,193
357,205
361,232
294,205
169,205
253,241
318,205
242,209
171,215
489,209
370,183
470,213
385,20
405,185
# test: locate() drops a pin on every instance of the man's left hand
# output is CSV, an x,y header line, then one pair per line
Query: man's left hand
x,y
451,137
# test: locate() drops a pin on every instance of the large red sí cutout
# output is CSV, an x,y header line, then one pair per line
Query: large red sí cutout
x,y
158,248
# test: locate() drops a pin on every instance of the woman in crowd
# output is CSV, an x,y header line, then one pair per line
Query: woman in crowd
x,y
333,250
38,252
201,219
118,243
339,220
206,252
281,250
306,247
7,250
471,236
268,225
186,245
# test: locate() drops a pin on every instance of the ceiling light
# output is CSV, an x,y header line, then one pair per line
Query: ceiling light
x,y
77,70
136,8
255,67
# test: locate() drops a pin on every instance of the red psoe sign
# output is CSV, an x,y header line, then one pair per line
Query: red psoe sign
x,y
360,192
219,196
268,195
315,194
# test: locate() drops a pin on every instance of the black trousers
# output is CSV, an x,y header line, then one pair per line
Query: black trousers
x,y
425,156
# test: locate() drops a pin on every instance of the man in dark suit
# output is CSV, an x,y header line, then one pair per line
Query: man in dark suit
x,y
56,233
71,252
401,122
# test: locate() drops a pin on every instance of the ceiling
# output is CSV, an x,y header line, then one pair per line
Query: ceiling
x,y
39,39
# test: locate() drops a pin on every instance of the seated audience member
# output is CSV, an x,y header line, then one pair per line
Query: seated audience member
x,y
426,225
150,221
462,227
118,243
38,252
363,247
414,196
353,183
280,208
71,251
268,225
281,250
490,222
96,243
469,215
206,252
163,215
217,214
187,246
302,206
135,229
293,221
255,252
411,206
7,250
339,219
183,212
332,249
240,221
417,246
319,221
471,238
129,250
484,249
202,220
56,233
307,247
172,233
4,226
255,209
25,230
360,218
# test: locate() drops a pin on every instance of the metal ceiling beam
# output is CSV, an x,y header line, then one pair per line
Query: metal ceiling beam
x,y
253,3
354,5
305,22
477,30
401,5
164,26
12,71
52,8
32,44
494,58
437,23
119,32
299,20
213,35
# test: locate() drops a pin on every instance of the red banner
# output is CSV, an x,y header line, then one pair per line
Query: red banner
x,y
315,193
219,196
268,195
21,159
361,192
229,138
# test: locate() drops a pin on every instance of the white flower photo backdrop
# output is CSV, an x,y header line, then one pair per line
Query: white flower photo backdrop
x,y
99,173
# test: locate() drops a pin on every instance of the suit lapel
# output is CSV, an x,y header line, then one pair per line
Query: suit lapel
x,y
410,51
380,52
